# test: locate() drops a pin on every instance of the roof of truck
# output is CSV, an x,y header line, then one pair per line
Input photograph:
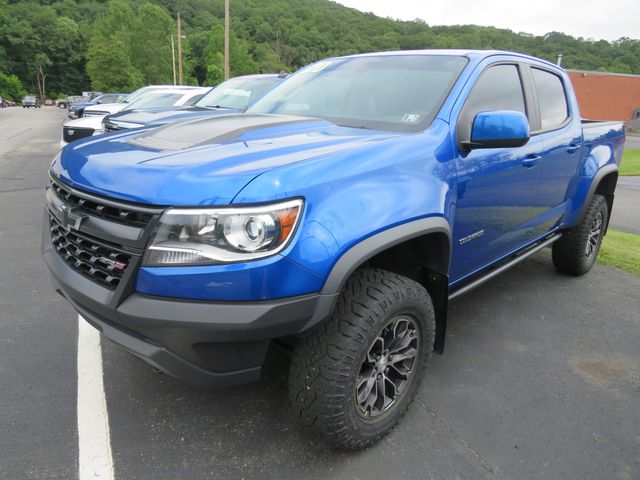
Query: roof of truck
x,y
478,54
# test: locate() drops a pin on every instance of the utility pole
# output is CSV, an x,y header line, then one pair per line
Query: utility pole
x,y
173,59
179,49
560,59
226,39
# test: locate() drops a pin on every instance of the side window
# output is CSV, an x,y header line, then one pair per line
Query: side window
x,y
498,88
551,98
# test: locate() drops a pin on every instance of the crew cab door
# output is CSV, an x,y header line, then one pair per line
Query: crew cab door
x,y
560,132
497,187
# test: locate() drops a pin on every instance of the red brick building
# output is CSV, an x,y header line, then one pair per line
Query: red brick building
x,y
606,96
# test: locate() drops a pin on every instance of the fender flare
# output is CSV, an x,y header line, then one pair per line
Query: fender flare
x,y
371,246
359,253
595,182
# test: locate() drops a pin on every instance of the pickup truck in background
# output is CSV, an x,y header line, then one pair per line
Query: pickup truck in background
x,y
30,101
336,217
231,96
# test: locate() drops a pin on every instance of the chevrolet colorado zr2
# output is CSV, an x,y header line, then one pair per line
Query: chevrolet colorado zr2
x,y
337,215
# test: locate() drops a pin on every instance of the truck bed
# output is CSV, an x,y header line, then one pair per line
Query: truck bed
x,y
599,131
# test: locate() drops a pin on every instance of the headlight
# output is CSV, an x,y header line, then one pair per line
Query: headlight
x,y
189,236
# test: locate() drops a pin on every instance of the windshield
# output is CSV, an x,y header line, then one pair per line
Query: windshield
x,y
386,92
237,93
137,94
155,100
193,100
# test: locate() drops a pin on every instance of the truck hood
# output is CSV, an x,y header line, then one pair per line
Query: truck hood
x,y
94,122
202,161
106,107
159,117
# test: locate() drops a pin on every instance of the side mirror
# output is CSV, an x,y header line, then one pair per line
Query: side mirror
x,y
99,102
499,129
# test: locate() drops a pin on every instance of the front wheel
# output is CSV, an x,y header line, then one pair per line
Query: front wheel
x,y
354,376
577,250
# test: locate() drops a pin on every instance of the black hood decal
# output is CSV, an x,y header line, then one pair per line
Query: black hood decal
x,y
208,131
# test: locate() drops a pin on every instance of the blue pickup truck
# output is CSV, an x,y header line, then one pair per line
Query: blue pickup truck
x,y
336,217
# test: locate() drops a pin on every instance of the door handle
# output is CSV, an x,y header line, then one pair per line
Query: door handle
x,y
573,148
530,161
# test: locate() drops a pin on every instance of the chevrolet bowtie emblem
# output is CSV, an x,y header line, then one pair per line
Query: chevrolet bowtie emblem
x,y
70,217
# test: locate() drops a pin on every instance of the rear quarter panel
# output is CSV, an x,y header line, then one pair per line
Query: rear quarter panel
x,y
603,144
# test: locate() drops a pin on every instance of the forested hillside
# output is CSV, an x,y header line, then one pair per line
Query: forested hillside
x,y
77,45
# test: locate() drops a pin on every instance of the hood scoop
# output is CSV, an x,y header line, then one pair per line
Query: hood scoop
x,y
209,131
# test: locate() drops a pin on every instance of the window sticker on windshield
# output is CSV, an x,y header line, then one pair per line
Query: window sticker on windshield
x,y
236,92
411,117
316,67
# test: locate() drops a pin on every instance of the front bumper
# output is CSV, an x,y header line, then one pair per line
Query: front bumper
x,y
209,344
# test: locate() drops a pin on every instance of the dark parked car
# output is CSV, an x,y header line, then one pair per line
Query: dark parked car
x,y
76,110
30,101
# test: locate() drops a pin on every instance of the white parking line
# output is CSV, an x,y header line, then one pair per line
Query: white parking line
x,y
94,458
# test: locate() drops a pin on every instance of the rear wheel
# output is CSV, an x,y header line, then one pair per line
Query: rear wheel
x,y
577,250
354,376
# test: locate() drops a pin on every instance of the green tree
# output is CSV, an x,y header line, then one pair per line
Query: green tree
x,y
193,54
110,68
240,60
11,87
28,29
268,60
40,67
109,63
151,44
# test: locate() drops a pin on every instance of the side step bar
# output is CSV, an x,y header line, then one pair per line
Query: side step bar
x,y
493,273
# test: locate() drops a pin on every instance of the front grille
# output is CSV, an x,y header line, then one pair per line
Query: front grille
x,y
114,214
98,261
70,134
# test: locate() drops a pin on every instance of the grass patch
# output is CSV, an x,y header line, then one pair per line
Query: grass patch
x,y
621,250
630,163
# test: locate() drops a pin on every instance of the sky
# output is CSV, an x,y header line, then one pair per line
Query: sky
x,y
609,20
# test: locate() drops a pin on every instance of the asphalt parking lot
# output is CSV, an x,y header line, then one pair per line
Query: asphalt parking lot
x,y
626,210
540,379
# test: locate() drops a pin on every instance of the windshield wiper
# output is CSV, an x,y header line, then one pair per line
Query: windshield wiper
x,y
220,106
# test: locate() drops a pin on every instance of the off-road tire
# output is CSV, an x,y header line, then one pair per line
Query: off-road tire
x,y
326,362
569,253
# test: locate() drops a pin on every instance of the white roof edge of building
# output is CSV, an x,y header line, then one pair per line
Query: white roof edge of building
x,y
595,72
